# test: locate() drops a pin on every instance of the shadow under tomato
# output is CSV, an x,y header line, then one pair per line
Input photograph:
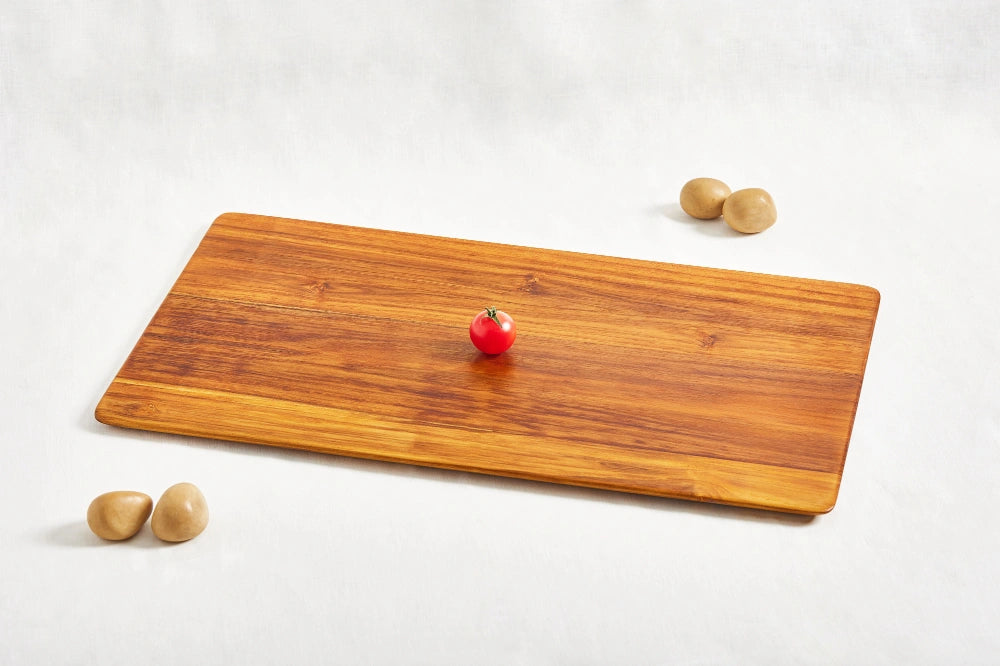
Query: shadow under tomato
x,y
493,374
495,365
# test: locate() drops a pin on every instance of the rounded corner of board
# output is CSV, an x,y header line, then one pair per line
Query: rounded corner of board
x,y
874,294
820,507
105,412
102,414
224,217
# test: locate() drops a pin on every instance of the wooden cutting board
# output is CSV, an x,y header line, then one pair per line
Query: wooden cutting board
x,y
629,375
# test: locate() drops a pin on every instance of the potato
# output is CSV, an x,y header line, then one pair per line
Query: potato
x,y
749,211
703,198
181,513
119,514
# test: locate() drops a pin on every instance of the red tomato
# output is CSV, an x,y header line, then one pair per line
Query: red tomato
x,y
492,331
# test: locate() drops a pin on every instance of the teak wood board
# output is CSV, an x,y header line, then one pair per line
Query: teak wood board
x,y
629,375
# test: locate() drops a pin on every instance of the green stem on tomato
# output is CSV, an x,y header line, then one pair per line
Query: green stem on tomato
x,y
491,312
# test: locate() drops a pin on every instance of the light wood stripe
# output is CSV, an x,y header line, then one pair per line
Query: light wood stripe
x,y
249,419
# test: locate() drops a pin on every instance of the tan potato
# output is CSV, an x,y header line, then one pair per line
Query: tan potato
x,y
750,211
119,514
181,513
703,198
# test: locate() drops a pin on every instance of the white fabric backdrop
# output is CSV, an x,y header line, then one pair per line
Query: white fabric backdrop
x,y
127,127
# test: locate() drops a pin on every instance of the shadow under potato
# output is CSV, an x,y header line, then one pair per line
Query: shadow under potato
x,y
716,227
76,534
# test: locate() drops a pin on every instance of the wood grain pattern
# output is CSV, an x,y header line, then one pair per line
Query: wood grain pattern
x,y
628,375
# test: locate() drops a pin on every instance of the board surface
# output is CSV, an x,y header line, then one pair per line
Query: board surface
x,y
629,375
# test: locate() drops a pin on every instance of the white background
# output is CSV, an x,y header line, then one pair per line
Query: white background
x,y
127,128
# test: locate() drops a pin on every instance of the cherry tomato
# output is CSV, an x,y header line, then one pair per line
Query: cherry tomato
x,y
492,331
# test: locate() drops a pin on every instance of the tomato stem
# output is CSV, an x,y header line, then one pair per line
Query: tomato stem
x,y
491,312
